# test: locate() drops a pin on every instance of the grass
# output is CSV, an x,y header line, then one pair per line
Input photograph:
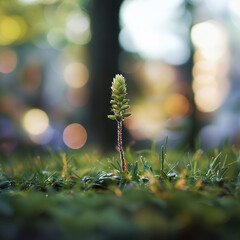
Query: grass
x,y
164,195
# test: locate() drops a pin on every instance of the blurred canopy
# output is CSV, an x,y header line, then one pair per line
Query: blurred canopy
x,y
58,58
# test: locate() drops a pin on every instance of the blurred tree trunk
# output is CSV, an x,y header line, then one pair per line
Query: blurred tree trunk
x,y
195,124
104,48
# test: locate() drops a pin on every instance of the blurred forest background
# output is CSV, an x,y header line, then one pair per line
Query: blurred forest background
x,y
58,58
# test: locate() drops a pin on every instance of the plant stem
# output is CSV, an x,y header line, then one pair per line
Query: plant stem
x,y
124,167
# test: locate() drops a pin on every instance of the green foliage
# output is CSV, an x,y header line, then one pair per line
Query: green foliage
x,y
61,171
164,194
119,103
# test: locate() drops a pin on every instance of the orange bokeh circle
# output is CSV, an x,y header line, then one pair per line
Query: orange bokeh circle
x,y
75,136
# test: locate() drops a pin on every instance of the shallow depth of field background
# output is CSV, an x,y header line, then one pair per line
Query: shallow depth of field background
x,y
58,58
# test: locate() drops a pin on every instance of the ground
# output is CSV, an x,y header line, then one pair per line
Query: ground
x,y
174,195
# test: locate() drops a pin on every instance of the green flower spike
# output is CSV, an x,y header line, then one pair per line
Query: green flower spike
x,y
119,105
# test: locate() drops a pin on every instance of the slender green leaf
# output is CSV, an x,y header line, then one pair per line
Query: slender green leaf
x,y
112,117
125,107
126,115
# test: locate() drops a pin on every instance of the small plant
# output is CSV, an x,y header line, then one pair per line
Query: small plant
x,y
119,105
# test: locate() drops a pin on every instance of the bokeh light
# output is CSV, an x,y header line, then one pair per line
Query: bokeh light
x,y
44,54
146,120
207,99
76,75
29,1
234,6
177,105
75,136
165,98
78,28
204,68
8,60
57,39
35,121
144,30
159,77
12,28
9,30
211,60
209,34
